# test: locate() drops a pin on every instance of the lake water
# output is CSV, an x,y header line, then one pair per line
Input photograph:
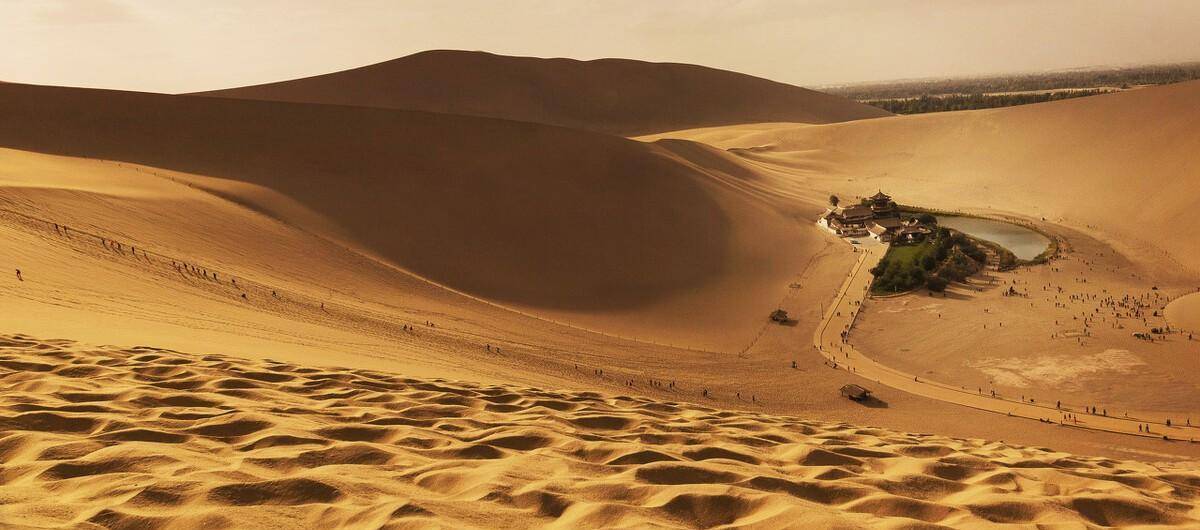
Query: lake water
x,y
1023,242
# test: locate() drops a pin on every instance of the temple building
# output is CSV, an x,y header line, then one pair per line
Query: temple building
x,y
876,216
894,230
884,229
883,206
848,221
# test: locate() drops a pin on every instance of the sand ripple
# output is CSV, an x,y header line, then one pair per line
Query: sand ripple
x,y
146,438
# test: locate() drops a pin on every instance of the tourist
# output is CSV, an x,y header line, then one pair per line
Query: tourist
x,y
19,278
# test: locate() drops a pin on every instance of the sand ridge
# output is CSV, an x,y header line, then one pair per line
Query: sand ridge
x,y
615,96
609,233
185,440
318,203
1183,313
376,317
1120,166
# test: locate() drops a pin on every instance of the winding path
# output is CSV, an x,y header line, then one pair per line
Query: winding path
x,y
844,356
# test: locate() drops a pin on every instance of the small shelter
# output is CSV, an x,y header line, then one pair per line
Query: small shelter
x,y
779,316
855,393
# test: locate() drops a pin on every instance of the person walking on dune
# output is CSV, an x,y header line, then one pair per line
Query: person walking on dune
x,y
19,278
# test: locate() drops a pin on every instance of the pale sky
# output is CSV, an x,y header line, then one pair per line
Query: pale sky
x,y
180,46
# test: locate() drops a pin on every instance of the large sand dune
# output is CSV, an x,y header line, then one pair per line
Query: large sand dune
x,y
1113,178
596,229
617,96
535,237
1120,166
307,299
106,437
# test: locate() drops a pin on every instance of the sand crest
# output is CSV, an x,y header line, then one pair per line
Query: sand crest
x,y
616,96
1184,313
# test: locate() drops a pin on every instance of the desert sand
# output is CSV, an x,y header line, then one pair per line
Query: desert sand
x,y
617,96
109,437
1058,385
361,283
1099,164
1184,313
1069,168
620,236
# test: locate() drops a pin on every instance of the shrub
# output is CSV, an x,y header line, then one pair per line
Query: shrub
x,y
928,262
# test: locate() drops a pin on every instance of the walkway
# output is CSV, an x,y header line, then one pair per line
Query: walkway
x,y
844,356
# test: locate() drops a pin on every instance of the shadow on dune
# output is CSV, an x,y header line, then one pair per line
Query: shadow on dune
x,y
873,402
510,211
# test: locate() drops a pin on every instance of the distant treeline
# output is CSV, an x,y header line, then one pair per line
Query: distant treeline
x,y
927,103
1093,78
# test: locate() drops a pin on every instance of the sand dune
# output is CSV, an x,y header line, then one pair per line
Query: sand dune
x,y
556,245
603,231
1121,166
1111,177
616,96
1184,313
185,440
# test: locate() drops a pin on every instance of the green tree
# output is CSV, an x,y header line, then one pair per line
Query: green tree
x,y
928,263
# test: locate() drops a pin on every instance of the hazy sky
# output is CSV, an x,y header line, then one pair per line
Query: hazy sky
x,y
176,46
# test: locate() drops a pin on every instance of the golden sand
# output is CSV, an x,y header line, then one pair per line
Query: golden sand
x,y
144,437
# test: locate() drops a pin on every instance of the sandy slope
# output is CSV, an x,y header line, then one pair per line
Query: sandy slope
x,y
1058,385
1112,177
1184,313
185,440
673,240
1121,166
617,96
309,300
604,231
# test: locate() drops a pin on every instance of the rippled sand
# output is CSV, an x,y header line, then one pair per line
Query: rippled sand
x,y
150,438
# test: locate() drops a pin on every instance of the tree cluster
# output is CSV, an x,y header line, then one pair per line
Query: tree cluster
x,y
927,103
944,257
1120,77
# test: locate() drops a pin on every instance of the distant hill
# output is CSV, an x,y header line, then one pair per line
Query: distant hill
x,y
616,96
